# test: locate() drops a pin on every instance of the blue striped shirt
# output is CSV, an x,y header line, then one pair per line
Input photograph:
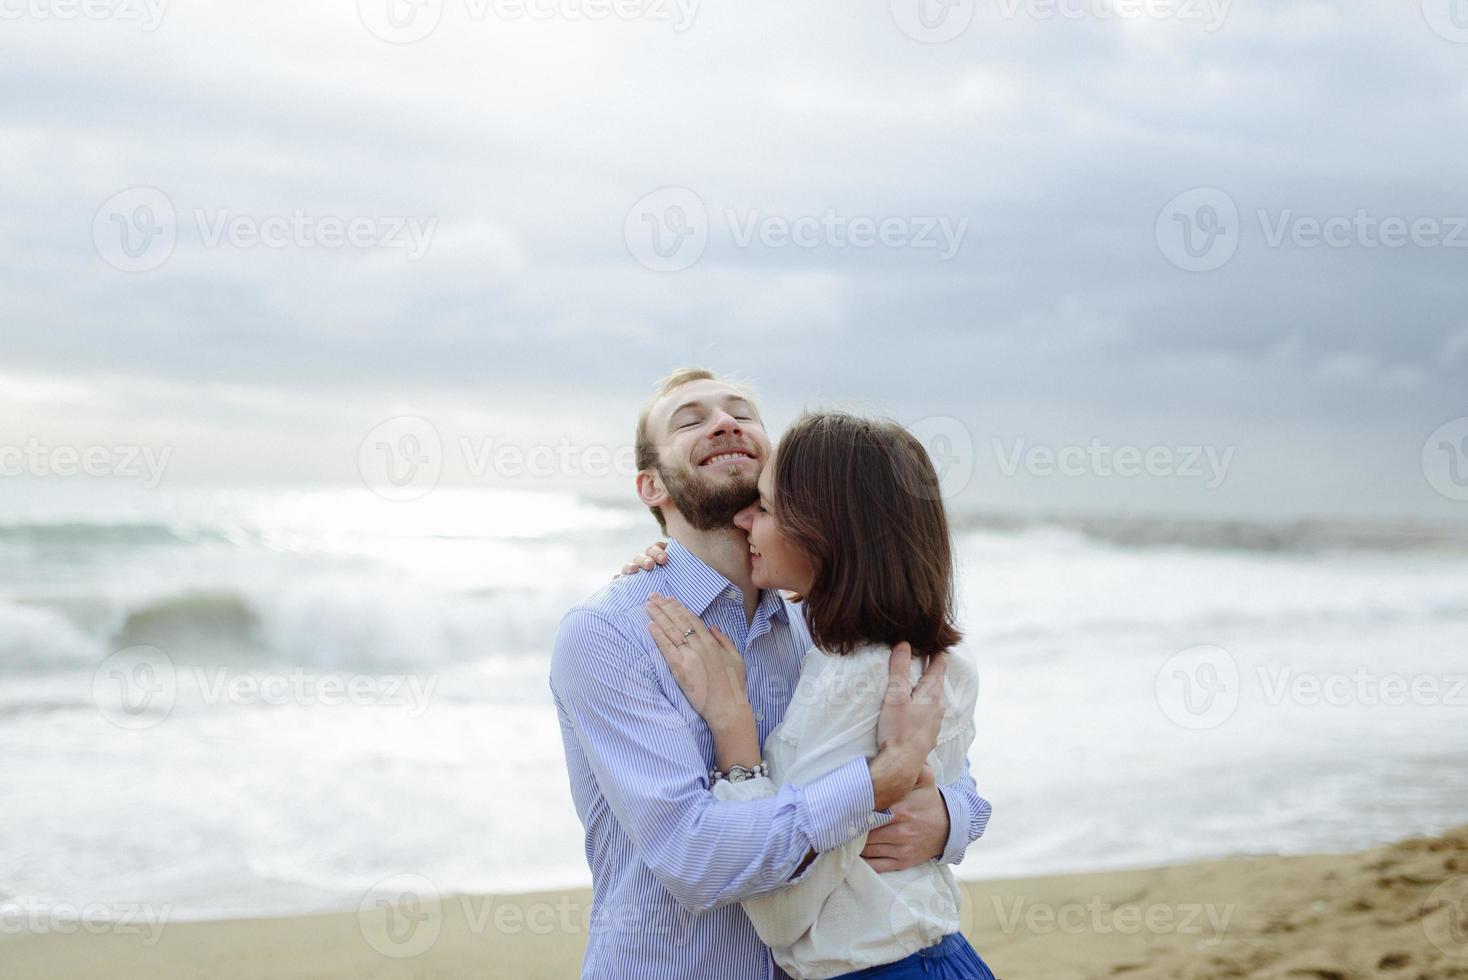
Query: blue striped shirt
x,y
670,862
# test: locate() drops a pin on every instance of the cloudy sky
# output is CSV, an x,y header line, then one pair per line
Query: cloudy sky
x,y
254,232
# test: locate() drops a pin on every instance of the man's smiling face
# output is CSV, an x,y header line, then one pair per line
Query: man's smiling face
x,y
711,446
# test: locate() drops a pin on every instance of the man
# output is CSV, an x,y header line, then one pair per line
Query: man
x,y
669,861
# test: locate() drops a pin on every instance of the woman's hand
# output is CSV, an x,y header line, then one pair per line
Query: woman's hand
x,y
656,554
705,662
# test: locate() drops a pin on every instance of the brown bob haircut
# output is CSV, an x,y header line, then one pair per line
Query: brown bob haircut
x,y
861,498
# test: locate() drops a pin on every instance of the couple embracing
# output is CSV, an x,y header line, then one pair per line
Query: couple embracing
x,y
774,786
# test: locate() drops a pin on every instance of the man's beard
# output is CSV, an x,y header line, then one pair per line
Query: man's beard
x,y
706,506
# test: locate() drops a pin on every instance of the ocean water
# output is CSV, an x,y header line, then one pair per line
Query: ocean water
x,y
260,701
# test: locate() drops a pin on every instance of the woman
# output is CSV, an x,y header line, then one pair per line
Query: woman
x,y
849,517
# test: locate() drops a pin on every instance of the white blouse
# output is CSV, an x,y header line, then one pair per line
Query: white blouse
x,y
841,915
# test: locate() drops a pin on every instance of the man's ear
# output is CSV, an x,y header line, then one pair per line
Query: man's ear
x,y
650,489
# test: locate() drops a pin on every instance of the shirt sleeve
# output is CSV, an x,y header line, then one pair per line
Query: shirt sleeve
x,y
968,815
647,763
968,812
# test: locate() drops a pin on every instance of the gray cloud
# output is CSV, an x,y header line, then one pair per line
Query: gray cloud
x,y
1056,143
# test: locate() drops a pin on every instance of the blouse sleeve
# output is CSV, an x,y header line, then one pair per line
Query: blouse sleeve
x,y
848,693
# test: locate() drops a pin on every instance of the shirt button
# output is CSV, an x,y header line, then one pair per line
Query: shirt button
x,y
851,829
759,716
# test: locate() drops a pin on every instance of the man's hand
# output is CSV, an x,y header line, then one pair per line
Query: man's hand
x,y
907,728
917,833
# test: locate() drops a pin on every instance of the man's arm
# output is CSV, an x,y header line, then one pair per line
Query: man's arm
x,y
938,823
647,763
968,815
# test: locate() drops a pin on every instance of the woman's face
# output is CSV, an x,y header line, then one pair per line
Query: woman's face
x,y
776,561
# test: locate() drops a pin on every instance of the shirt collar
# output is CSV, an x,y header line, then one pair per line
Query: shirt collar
x,y
696,585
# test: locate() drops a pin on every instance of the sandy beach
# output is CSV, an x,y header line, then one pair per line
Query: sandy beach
x,y
1396,911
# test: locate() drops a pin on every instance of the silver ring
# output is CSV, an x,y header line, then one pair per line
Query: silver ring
x,y
687,633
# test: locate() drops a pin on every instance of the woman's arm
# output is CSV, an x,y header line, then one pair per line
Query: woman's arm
x,y
736,742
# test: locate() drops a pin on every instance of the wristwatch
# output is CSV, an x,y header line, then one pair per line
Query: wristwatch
x,y
738,774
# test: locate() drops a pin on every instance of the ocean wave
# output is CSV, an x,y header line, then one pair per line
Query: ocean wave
x,y
86,534
220,621
1304,535
33,638
328,620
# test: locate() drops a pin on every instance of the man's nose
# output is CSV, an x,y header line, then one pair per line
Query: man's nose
x,y
726,424
745,518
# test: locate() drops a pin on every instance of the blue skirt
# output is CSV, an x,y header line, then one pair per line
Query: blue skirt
x,y
951,958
